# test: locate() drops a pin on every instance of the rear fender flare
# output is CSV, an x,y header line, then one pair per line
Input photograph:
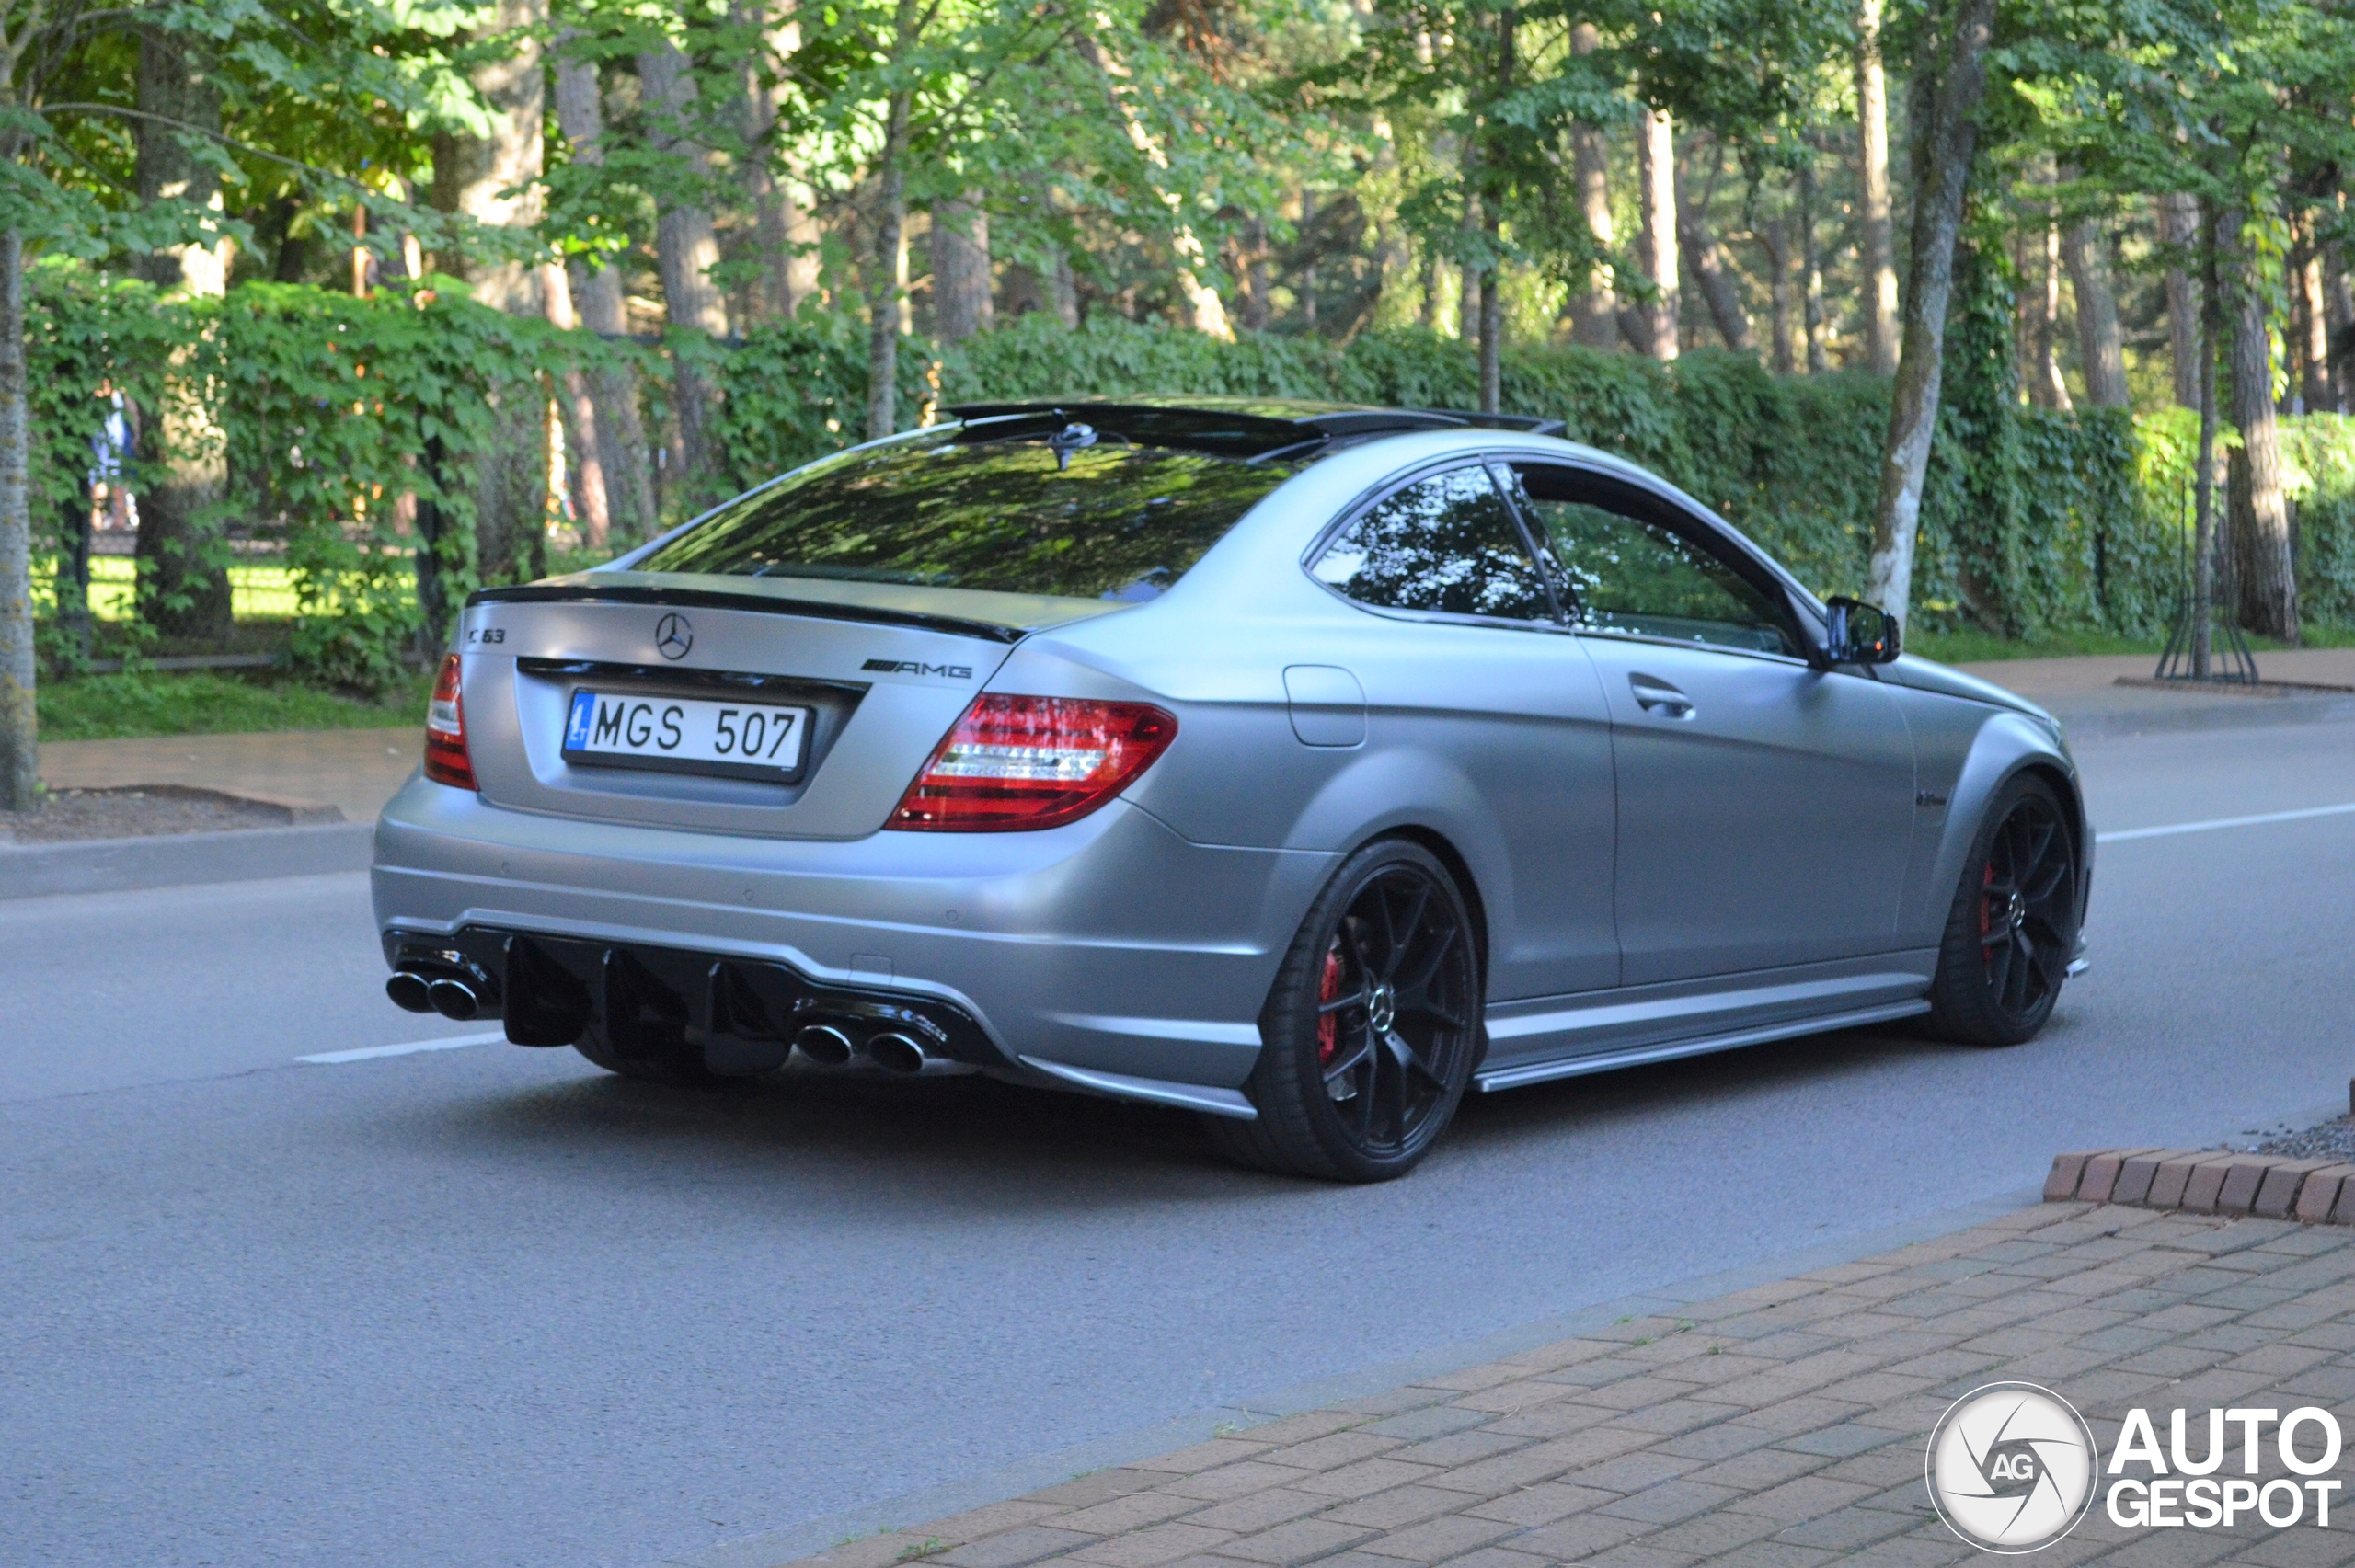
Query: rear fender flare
x,y
1350,809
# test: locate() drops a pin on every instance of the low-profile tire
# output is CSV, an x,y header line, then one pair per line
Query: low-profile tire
x,y
2012,930
673,1061
1372,1028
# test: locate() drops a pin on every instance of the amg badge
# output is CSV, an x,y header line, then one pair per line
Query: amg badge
x,y
911,667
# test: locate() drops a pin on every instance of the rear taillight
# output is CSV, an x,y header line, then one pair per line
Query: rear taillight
x,y
1019,763
445,730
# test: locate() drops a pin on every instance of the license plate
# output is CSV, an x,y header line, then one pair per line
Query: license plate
x,y
631,729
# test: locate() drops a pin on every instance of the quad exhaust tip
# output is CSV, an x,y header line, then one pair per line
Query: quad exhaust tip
x,y
895,1052
454,1000
823,1043
409,992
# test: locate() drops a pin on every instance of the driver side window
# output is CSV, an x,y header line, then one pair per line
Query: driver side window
x,y
1632,576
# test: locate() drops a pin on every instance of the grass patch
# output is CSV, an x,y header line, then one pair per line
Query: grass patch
x,y
1969,646
115,707
1975,647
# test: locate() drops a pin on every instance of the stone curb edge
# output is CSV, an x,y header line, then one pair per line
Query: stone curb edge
x,y
2207,1181
172,860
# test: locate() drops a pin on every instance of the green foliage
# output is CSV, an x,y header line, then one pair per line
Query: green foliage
x,y
1108,357
2319,460
322,411
795,391
331,408
327,409
110,707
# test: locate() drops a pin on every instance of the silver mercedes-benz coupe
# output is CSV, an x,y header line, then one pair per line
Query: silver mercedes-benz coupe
x,y
1301,765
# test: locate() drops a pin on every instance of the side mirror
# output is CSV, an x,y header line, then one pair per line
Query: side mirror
x,y
1857,633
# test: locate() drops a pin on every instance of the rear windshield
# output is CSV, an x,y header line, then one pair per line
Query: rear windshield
x,y
1114,522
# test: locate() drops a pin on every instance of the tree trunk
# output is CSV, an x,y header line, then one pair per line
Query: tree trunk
x,y
1308,289
785,234
1492,337
1255,281
962,303
1492,293
1052,291
2098,339
1718,286
20,721
1810,272
1950,141
1596,315
184,565
584,453
1469,275
883,292
2260,513
2040,318
2204,514
2314,331
494,179
2339,314
622,451
1775,239
1658,163
685,251
1878,241
2179,226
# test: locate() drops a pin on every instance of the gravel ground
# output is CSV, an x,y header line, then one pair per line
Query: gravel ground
x,y
73,814
2333,1139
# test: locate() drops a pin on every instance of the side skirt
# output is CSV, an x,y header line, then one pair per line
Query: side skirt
x,y
1579,1067
1159,1091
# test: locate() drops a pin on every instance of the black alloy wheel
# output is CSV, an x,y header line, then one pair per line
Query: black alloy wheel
x,y
1372,1027
2012,928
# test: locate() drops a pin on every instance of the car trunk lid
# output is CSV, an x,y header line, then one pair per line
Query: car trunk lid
x,y
881,670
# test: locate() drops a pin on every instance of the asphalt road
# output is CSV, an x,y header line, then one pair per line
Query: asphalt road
x,y
487,1306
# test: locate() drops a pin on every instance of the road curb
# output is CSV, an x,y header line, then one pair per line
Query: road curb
x,y
172,859
2207,1181
2200,713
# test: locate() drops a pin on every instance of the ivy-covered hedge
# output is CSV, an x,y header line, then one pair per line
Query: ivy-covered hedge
x,y
320,412
307,417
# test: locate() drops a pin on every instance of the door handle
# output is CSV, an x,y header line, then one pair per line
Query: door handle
x,y
1655,695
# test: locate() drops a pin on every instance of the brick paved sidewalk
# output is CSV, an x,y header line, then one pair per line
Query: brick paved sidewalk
x,y
355,770
1781,1427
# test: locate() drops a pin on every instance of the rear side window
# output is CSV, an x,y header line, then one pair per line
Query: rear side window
x,y
1113,521
1446,543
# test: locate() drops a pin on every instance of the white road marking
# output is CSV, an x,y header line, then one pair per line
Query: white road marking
x,y
370,1053
2173,828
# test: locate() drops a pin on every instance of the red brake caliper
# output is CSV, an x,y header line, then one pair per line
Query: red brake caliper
x,y
1328,988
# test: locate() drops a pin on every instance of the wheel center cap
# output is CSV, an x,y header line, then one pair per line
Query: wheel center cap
x,y
1382,1008
2015,907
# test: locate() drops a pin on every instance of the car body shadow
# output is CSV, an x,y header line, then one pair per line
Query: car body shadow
x,y
945,1144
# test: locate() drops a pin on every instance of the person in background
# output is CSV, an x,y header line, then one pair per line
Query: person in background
x,y
112,507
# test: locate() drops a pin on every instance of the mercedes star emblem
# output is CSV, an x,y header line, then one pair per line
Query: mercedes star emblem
x,y
673,636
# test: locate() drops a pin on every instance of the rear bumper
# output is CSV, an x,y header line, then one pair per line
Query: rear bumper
x,y
1113,946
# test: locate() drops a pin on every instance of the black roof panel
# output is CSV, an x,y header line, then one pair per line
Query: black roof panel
x,y
1242,426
